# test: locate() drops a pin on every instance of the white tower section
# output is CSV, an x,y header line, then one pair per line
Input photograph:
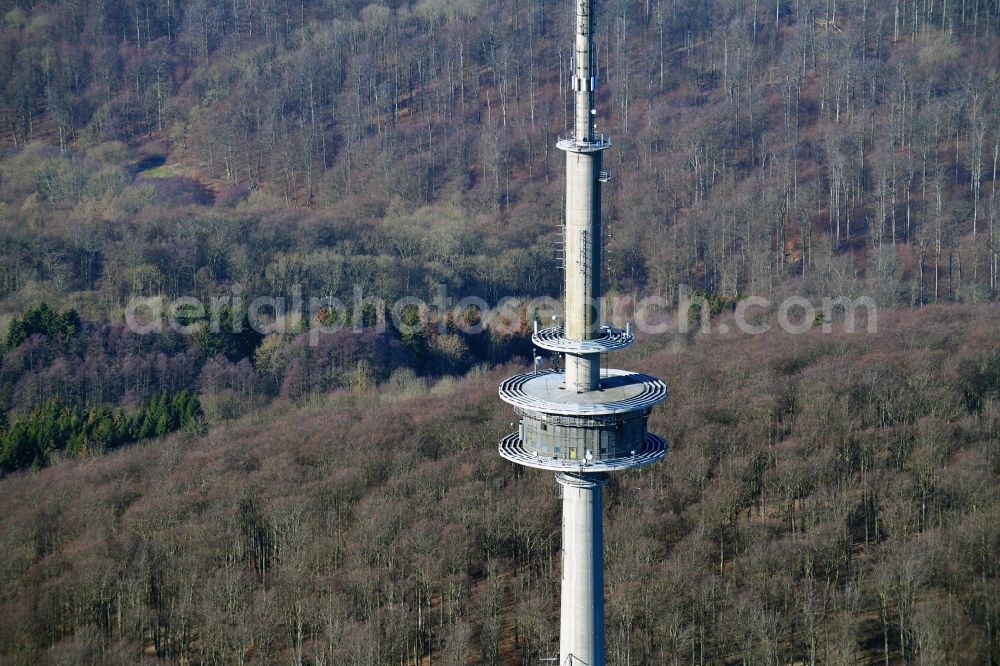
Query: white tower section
x,y
581,630
583,422
583,210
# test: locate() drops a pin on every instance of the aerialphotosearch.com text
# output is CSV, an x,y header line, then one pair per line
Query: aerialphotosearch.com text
x,y
649,315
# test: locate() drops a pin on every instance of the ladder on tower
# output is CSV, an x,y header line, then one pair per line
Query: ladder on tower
x,y
561,247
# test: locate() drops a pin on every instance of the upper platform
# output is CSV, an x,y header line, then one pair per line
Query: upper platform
x,y
569,142
653,449
621,392
610,339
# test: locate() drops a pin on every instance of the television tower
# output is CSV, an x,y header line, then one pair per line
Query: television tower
x,y
584,421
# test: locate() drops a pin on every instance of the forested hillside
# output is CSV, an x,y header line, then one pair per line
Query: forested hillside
x,y
828,498
171,147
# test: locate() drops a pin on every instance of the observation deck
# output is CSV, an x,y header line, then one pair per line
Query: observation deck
x,y
553,338
620,392
512,448
570,143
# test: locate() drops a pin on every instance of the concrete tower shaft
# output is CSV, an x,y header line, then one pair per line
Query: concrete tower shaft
x,y
583,212
583,265
581,631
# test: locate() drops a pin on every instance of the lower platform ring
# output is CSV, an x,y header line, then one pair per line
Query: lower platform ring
x,y
654,448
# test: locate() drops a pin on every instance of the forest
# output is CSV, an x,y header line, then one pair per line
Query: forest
x,y
828,498
248,497
159,147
